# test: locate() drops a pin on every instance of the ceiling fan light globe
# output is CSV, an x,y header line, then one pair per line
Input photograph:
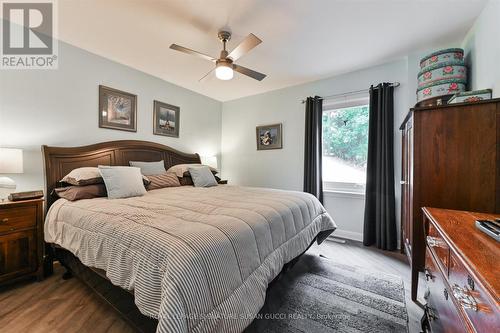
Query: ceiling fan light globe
x,y
224,72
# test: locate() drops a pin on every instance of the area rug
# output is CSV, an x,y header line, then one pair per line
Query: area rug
x,y
331,297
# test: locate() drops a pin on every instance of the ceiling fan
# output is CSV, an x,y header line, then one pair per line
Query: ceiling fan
x,y
224,66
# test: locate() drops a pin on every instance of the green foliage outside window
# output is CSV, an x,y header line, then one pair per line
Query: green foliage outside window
x,y
345,134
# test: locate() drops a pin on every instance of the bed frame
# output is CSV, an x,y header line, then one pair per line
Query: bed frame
x,y
58,162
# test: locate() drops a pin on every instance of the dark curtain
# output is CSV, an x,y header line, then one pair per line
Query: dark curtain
x,y
313,181
380,216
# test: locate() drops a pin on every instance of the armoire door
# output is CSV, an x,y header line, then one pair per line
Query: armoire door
x,y
407,187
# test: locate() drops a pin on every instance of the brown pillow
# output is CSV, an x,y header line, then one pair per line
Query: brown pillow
x,y
88,176
162,181
73,193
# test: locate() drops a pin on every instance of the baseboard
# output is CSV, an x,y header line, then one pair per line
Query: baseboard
x,y
357,236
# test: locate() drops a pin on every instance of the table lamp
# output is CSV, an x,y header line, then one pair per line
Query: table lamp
x,y
11,161
210,161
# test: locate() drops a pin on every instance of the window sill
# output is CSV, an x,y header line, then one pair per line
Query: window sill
x,y
343,194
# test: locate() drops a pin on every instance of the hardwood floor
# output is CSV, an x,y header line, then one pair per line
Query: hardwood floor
x,y
57,305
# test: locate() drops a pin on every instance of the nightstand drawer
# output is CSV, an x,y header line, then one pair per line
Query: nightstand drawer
x,y
15,218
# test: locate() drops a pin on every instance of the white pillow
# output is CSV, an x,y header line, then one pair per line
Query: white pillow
x,y
150,168
122,181
83,176
202,176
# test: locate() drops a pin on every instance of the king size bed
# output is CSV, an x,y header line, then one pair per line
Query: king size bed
x,y
190,259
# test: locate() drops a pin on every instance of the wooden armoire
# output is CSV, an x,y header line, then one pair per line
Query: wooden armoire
x,y
450,159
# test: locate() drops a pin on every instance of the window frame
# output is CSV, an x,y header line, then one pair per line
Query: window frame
x,y
360,99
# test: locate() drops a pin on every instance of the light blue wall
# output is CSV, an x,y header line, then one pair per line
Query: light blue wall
x,y
59,107
283,168
482,49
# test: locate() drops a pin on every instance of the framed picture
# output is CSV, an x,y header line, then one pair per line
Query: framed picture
x,y
166,119
269,137
117,109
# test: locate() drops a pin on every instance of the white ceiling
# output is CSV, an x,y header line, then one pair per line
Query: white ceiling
x,y
303,40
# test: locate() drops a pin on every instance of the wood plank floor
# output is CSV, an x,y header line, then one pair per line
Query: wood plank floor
x,y
57,305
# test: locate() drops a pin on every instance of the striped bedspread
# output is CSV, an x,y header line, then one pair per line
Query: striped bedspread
x,y
197,259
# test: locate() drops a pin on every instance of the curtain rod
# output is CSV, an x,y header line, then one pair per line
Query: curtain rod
x,y
393,84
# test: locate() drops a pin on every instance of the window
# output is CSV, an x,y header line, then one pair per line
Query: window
x,y
345,145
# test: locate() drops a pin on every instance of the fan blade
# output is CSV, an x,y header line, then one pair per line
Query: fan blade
x,y
248,72
206,75
246,45
192,52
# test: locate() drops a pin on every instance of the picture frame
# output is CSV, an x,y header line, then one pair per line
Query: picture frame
x,y
166,119
117,109
269,136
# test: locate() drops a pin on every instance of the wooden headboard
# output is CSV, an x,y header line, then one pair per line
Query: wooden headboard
x,y
59,161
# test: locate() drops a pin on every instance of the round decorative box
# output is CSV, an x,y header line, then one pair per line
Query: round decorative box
x,y
441,88
439,57
454,69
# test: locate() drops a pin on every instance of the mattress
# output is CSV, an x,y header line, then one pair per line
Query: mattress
x,y
196,259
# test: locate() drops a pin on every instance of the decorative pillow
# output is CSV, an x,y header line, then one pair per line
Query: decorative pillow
x,y
122,181
73,193
186,179
202,176
181,169
89,176
83,176
162,181
150,168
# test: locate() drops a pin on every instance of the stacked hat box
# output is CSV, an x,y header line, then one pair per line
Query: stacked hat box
x,y
443,74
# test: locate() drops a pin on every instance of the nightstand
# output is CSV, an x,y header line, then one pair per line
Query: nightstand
x,y
21,240
222,182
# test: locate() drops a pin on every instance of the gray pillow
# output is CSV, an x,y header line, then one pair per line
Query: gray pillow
x,y
202,176
122,181
150,168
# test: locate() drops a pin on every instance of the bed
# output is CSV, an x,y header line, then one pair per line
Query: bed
x,y
190,259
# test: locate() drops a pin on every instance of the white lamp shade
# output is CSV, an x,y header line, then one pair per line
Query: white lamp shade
x,y
210,161
11,160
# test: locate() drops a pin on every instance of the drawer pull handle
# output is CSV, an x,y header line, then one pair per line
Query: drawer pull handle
x,y
4,220
464,298
430,312
435,242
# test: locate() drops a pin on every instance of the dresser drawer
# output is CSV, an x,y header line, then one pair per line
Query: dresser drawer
x,y
480,307
15,218
443,316
438,247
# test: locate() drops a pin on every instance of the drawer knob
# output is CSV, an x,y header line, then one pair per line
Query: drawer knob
x,y
464,298
4,220
470,282
428,275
